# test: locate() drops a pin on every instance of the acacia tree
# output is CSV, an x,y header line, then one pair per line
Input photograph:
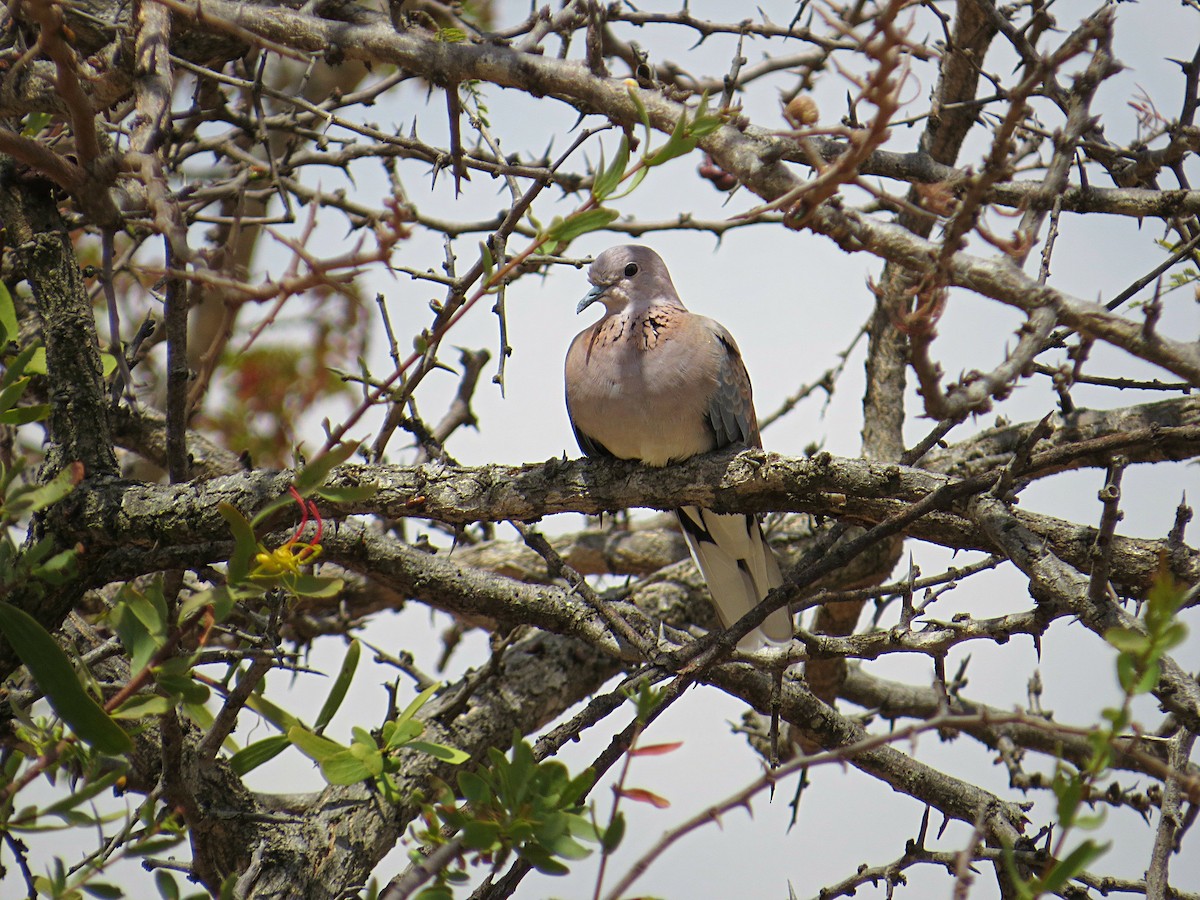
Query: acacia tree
x,y
164,172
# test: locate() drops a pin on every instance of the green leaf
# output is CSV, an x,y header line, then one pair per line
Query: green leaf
x,y
277,716
341,684
245,543
398,734
481,835
1127,673
677,144
165,882
37,361
568,848
611,839
440,751
1127,640
23,415
643,116
316,473
141,706
8,314
489,262
20,365
41,497
53,673
84,794
150,608
33,123
104,891
1069,790
566,230
344,768
11,395
541,860
350,493
608,179
1148,679
1172,636
251,757
420,700
138,642
317,586
1070,866
182,687
315,746
474,789
221,599
577,787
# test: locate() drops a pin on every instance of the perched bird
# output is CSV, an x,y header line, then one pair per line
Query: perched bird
x,y
653,382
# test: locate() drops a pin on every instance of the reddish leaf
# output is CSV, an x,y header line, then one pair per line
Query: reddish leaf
x,y
643,796
656,749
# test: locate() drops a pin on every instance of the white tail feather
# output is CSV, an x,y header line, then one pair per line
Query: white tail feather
x,y
739,569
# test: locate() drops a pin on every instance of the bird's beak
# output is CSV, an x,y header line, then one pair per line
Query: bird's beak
x,y
590,297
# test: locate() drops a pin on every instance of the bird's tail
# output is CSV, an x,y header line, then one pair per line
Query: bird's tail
x,y
739,568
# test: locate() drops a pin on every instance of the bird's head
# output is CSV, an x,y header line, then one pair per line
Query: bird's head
x,y
626,276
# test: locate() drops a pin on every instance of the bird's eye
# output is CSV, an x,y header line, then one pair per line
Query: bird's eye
x,y
631,270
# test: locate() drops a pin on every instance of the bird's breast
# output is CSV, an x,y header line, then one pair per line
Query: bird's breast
x,y
639,391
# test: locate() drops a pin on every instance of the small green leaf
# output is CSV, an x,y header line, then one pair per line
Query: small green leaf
x,y
11,395
474,789
23,415
1172,636
165,882
611,839
85,793
489,262
344,768
254,755
1127,640
341,684
315,746
481,835
245,544
1148,679
8,314
568,848
608,179
183,687
53,673
566,230
1070,866
420,700
139,643
541,860
316,586
142,705
102,890
33,123
440,751
35,499
20,366
58,569
350,493
398,734
276,715
643,116
37,360
316,473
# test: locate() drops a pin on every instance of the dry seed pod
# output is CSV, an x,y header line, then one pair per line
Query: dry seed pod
x,y
801,111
